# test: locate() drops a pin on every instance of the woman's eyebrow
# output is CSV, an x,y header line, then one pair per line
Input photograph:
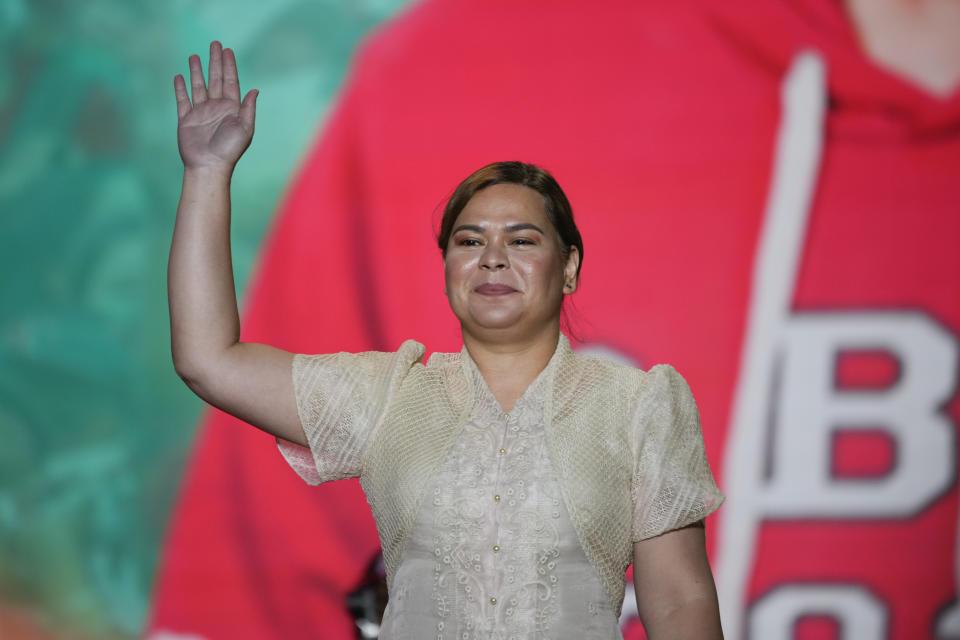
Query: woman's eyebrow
x,y
510,228
467,227
521,226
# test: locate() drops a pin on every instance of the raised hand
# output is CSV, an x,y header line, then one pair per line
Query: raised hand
x,y
215,130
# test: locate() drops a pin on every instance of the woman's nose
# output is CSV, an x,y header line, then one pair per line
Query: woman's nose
x,y
494,257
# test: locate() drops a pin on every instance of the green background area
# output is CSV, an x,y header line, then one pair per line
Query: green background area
x,y
95,426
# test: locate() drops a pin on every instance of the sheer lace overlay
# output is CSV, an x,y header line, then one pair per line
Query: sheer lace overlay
x,y
493,553
619,450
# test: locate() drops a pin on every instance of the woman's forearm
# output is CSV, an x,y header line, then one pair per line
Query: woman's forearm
x,y
696,619
204,320
676,595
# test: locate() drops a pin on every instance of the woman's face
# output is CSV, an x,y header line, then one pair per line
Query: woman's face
x,y
504,268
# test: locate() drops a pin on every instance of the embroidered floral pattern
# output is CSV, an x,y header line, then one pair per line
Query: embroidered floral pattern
x,y
500,538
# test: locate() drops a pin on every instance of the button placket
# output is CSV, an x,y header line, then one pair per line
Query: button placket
x,y
496,582
487,590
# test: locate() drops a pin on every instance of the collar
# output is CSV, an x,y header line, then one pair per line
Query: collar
x,y
545,378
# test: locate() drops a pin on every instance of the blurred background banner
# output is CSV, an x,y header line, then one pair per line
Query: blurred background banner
x,y
769,195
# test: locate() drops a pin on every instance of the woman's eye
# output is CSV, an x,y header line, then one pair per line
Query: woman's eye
x,y
523,241
468,242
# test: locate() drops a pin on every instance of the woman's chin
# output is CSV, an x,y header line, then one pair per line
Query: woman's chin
x,y
506,329
494,321
501,321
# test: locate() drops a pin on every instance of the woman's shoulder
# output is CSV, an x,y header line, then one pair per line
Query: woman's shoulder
x,y
608,366
372,365
594,379
408,350
412,350
604,372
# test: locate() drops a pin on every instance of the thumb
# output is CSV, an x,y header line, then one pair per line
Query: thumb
x,y
248,109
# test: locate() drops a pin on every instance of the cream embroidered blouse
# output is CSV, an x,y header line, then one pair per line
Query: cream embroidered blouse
x,y
492,551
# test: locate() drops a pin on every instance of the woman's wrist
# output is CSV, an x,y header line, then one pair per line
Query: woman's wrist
x,y
208,173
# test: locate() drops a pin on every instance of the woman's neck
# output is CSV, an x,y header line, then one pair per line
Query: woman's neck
x,y
510,366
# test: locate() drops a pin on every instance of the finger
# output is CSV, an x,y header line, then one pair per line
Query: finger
x,y
183,100
197,86
215,84
248,109
231,82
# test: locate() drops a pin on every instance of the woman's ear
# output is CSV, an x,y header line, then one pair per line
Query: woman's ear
x,y
570,270
443,270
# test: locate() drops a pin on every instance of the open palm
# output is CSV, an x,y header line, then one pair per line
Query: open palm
x,y
216,128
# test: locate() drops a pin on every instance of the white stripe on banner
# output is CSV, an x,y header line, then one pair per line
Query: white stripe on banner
x,y
796,164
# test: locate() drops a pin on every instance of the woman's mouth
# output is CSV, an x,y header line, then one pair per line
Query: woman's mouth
x,y
494,289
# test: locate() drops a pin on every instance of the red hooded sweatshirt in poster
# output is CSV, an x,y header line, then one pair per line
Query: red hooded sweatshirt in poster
x,y
762,207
